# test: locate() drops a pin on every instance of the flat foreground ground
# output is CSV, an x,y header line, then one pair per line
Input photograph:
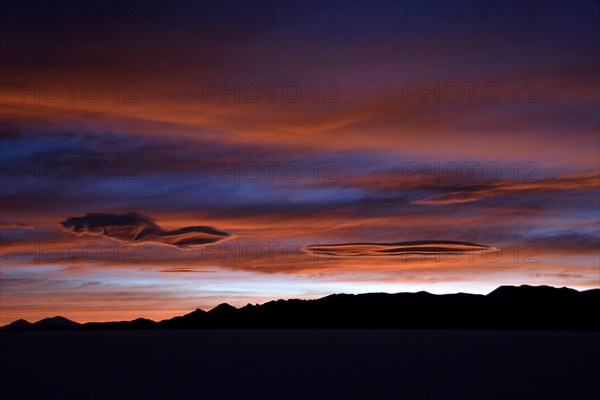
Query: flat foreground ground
x,y
300,364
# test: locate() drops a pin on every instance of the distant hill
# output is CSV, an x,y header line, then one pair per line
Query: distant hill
x,y
508,307
20,323
53,323
56,322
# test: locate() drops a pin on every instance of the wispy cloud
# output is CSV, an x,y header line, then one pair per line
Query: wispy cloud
x,y
468,194
15,225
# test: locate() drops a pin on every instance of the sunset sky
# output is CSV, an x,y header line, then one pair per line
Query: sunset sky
x,y
159,157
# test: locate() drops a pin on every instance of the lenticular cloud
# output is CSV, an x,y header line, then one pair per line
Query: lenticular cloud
x,y
133,228
424,247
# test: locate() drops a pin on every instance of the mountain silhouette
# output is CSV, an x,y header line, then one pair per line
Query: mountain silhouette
x,y
20,323
54,323
507,307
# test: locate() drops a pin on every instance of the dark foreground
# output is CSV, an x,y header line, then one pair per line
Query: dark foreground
x,y
300,364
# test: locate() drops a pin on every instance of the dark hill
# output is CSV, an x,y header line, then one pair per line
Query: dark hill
x,y
20,323
54,323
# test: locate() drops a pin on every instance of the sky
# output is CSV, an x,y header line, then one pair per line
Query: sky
x,y
158,157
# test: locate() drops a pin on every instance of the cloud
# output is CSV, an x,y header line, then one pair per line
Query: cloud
x,y
133,228
423,247
180,270
15,226
473,193
571,243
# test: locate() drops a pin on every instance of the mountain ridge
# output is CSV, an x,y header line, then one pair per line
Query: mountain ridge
x,y
506,307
